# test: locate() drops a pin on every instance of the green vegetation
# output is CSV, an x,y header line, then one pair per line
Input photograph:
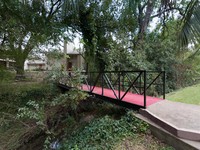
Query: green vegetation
x,y
142,142
188,95
14,131
116,35
103,133
19,93
27,26
32,110
109,133
34,115
6,76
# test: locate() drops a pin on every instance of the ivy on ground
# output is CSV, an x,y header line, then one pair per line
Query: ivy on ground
x,y
102,133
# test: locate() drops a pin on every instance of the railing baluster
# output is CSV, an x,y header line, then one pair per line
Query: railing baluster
x,y
152,81
131,85
90,80
119,88
140,89
109,84
87,83
96,81
145,77
122,80
164,80
102,83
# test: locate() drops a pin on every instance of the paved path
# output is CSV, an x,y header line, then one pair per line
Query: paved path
x,y
180,119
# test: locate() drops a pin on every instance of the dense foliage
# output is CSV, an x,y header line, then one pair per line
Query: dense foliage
x,y
37,110
6,76
104,132
27,25
14,131
163,53
117,35
45,117
22,93
107,133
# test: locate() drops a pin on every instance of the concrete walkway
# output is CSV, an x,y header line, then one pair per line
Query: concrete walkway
x,y
182,120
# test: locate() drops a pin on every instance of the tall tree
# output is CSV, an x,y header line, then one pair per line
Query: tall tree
x,y
27,24
146,10
95,20
133,19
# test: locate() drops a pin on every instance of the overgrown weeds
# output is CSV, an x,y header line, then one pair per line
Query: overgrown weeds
x,y
6,75
107,132
36,109
33,115
14,131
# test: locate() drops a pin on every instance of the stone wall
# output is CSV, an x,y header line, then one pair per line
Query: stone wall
x,y
36,75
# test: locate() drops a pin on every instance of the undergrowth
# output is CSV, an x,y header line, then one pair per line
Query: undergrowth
x,y
104,132
6,75
34,115
111,133
15,131
15,95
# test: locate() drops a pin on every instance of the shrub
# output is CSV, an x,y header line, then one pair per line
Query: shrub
x,y
102,133
6,75
38,107
15,95
46,115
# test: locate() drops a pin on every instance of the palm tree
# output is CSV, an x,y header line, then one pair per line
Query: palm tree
x,y
190,24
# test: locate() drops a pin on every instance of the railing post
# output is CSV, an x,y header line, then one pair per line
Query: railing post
x,y
164,81
90,80
123,84
145,78
102,83
119,88
110,76
140,88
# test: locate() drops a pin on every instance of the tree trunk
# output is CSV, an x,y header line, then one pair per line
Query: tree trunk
x,y
19,67
143,19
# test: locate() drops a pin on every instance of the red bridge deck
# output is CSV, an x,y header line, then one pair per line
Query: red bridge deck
x,y
131,98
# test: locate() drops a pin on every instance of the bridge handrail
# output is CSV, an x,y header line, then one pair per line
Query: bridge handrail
x,y
141,75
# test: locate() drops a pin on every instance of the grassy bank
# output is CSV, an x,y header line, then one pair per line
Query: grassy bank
x,y
190,95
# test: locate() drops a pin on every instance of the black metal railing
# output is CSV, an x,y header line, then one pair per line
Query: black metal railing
x,y
121,82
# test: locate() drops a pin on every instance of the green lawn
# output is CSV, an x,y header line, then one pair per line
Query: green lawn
x,y
190,95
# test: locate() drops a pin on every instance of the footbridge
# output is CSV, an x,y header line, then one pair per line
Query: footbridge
x,y
131,89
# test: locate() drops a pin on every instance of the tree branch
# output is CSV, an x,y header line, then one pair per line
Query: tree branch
x,y
52,11
167,10
3,40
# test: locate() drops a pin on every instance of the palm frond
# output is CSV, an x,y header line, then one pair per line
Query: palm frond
x,y
190,24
